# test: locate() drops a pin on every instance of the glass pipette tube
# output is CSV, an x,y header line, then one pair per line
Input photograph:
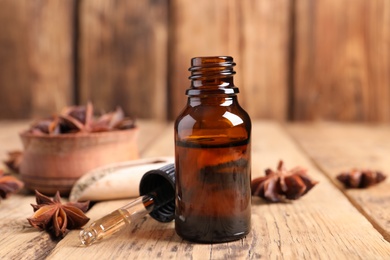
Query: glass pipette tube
x,y
117,220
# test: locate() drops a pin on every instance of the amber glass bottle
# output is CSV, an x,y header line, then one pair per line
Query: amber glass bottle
x,y
212,156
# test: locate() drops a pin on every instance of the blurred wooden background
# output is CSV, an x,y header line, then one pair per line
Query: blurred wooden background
x,y
296,59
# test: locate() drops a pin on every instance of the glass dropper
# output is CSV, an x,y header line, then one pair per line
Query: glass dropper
x,y
157,189
117,220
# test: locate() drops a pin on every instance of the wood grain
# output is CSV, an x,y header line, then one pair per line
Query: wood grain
x,y
296,60
123,56
319,226
315,227
337,148
149,134
25,241
13,53
255,33
36,75
264,58
342,60
9,137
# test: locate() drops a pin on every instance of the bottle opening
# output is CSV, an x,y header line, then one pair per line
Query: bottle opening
x,y
203,68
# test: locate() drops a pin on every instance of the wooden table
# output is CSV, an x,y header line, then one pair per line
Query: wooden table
x,y
328,223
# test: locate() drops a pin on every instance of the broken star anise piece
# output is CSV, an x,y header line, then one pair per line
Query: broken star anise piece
x,y
282,184
8,185
55,217
360,178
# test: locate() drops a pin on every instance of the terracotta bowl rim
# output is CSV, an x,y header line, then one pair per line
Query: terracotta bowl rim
x,y
78,135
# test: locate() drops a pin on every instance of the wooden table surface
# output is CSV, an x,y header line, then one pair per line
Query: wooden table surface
x,y
330,222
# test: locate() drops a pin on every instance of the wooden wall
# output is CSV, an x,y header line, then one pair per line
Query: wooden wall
x,y
36,57
296,59
342,60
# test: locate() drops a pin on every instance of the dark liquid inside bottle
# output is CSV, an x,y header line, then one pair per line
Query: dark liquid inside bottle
x,y
211,206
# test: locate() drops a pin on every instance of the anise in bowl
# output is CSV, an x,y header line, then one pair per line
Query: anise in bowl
x,y
59,150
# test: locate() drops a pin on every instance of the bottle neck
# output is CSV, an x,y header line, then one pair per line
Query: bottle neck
x,y
212,76
219,82
218,100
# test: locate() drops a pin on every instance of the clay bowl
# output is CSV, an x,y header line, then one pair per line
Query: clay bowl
x,y
52,163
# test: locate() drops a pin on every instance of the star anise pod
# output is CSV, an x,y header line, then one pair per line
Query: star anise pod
x,y
75,119
362,178
14,160
282,184
8,185
111,121
46,126
55,217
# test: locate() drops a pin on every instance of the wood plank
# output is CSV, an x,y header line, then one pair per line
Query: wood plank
x,y
149,132
123,56
163,145
315,227
342,60
13,51
264,58
9,137
18,239
36,53
338,148
255,33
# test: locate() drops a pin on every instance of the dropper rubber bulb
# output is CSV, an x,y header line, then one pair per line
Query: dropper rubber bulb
x,y
117,220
